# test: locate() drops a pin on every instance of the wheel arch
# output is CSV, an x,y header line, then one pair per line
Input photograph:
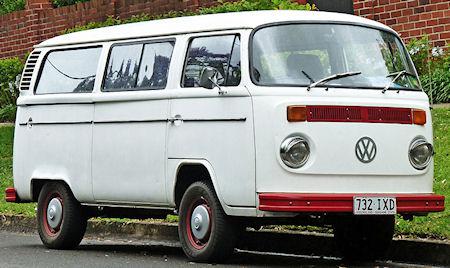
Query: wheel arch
x,y
37,184
190,171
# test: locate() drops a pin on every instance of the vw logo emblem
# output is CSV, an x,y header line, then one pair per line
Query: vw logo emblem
x,y
365,150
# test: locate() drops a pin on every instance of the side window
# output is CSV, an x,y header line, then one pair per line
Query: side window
x,y
220,52
138,66
69,71
123,67
155,65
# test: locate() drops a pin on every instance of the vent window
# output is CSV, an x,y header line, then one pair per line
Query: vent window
x,y
28,71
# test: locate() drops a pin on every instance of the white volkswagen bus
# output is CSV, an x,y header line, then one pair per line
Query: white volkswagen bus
x,y
228,120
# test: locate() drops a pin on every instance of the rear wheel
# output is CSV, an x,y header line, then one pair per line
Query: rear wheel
x,y
206,233
364,238
61,222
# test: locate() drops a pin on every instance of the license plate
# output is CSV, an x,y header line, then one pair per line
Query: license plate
x,y
367,205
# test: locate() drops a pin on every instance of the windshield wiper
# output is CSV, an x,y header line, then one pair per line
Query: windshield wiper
x,y
307,76
397,76
331,77
401,72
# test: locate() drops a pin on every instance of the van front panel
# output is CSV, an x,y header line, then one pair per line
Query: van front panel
x,y
333,165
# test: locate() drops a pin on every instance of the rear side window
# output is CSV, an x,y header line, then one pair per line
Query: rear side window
x,y
123,67
220,52
69,71
138,66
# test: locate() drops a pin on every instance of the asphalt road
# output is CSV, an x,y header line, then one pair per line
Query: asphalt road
x,y
26,250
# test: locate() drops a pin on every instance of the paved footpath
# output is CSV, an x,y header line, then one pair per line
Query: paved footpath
x,y
26,250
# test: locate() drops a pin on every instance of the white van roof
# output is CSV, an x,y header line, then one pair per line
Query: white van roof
x,y
202,23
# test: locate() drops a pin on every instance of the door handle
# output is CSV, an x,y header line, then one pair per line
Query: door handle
x,y
176,120
30,122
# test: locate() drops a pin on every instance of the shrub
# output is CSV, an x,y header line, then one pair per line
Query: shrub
x,y
8,6
62,3
433,66
437,84
245,5
419,50
8,113
223,7
9,70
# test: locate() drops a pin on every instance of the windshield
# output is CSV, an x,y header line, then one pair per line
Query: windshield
x,y
300,54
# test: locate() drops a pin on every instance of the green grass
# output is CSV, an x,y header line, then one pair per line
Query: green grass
x,y
435,225
6,145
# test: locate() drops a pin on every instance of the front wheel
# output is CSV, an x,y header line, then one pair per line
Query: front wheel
x,y
206,233
364,238
61,222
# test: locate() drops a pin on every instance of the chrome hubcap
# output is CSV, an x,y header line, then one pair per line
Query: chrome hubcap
x,y
54,213
200,222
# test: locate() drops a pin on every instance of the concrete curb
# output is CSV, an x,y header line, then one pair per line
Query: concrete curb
x,y
404,250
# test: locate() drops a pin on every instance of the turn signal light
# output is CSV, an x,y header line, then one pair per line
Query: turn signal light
x,y
296,113
419,117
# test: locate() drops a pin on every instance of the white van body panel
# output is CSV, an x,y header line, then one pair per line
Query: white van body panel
x,y
206,135
327,170
174,165
54,147
218,128
129,150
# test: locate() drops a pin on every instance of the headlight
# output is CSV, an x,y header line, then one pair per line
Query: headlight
x,y
294,152
420,153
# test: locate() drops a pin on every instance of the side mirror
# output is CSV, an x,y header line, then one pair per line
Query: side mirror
x,y
208,77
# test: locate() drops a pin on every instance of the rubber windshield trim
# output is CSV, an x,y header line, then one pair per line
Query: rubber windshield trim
x,y
256,29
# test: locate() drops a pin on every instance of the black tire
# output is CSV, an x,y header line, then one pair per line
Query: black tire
x,y
364,238
219,244
72,226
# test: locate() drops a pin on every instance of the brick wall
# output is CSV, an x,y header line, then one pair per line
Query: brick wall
x,y
411,18
14,37
20,30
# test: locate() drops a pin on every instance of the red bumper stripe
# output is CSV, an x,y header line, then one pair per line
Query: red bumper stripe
x,y
10,195
289,202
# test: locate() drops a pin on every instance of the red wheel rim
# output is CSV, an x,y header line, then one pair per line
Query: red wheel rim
x,y
193,241
50,231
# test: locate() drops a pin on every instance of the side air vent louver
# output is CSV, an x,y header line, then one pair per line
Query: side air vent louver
x,y
28,71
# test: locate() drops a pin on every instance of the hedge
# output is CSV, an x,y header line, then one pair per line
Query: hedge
x,y
223,7
8,6
62,3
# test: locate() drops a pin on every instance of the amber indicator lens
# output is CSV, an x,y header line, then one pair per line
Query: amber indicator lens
x,y
419,117
296,113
